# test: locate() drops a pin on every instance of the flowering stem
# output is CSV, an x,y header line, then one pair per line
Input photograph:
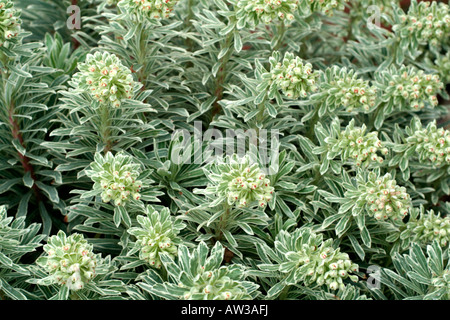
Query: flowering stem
x,y
220,78
24,160
314,121
105,123
142,55
223,222
189,42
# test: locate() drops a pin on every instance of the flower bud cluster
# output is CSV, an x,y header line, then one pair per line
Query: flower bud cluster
x,y
413,87
318,260
9,21
242,182
69,260
151,9
294,77
354,143
116,177
105,78
347,89
383,198
266,11
327,6
427,24
432,144
157,234
427,228
332,267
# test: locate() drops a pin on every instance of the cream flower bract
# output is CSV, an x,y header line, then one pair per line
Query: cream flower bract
x,y
105,78
70,260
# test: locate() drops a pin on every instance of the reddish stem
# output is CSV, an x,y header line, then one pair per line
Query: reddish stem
x,y
24,160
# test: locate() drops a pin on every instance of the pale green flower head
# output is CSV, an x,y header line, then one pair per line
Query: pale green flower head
x,y
427,226
310,259
412,87
426,23
327,7
381,197
357,145
341,87
432,144
150,9
255,12
69,260
9,22
240,182
294,78
116,178
157,234
105,78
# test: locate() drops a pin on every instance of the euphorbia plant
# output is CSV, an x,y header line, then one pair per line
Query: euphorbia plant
x,y
224,149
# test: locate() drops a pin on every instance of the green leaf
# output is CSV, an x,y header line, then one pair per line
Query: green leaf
x,y
117,218
124,215
237,42
51,192
275,290
357,247
365,236
7,262
343,225
27,180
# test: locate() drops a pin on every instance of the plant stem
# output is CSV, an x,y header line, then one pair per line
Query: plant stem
x,y
142,54
189,42
105,124
223,222
284,293
24,160
220,77
314,121
374,117
74,296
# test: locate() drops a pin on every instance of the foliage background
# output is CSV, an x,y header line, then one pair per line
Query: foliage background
x,y
198,66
